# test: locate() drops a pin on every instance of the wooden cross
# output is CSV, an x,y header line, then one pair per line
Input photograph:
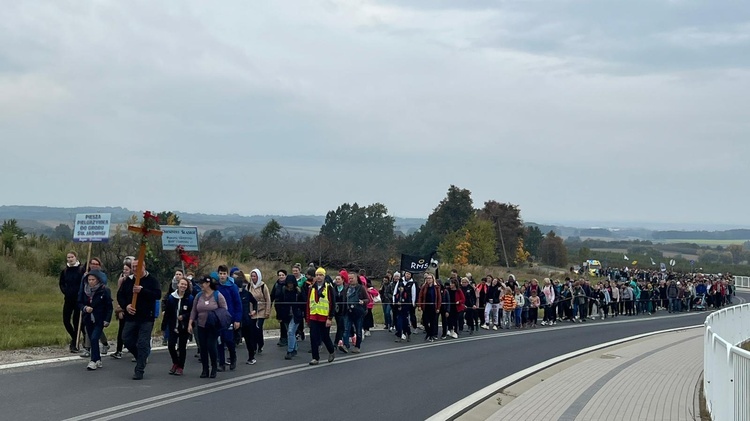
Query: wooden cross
x,y
141,254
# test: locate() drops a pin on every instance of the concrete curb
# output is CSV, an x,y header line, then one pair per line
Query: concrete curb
x,y
466,404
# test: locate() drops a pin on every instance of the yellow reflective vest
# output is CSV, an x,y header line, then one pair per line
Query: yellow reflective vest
x,y
322,306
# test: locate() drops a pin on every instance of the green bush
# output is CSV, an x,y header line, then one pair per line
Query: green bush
x,y
26,260
55,262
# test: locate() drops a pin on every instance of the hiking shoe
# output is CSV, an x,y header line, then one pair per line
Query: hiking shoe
x,y
252,361
92,366
314,362
117,355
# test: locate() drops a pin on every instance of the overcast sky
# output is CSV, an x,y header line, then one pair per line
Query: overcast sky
x,y
593,110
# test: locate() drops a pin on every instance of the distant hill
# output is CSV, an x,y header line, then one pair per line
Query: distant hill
x,y
43,220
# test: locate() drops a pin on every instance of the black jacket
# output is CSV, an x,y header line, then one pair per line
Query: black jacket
x,y
171,311
277,295
249,303
339,298
291,304
470,295
145,306
386,292
101,302
70,281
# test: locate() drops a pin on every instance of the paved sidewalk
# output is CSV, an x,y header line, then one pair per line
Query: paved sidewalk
x,y
652,379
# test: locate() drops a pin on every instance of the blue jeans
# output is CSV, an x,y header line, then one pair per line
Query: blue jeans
x,y
517,314
674,304
350,320
291,344
387,315
94,330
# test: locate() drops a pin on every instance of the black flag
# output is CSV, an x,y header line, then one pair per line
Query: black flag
x,y
415,264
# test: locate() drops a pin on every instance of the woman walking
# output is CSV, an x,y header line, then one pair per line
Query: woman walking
x,y
429,303
262,296
206,302
95,303
456,306
127,271
249,309
177,311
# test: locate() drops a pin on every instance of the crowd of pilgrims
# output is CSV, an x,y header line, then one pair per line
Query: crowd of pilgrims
x,y
224,309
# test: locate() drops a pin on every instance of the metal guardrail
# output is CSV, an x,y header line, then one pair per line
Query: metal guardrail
x,y
742,281
726,366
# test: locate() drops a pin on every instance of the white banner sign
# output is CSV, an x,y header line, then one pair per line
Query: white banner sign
x,y
174,236
92,227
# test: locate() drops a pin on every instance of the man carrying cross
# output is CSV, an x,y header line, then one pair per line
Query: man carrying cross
x,y
139,318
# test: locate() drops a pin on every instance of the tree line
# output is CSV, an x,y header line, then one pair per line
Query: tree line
x,y
352,236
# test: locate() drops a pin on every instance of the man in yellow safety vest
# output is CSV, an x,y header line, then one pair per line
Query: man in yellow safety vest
x,y
320,313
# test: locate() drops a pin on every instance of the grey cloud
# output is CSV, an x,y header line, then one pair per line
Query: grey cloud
x,y
278,108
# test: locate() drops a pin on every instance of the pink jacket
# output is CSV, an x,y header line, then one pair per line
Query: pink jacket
x,y
373,293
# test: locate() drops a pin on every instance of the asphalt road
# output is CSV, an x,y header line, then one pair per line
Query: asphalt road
x,y
406,381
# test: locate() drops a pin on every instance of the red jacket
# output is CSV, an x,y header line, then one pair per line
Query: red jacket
x,y
461,298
